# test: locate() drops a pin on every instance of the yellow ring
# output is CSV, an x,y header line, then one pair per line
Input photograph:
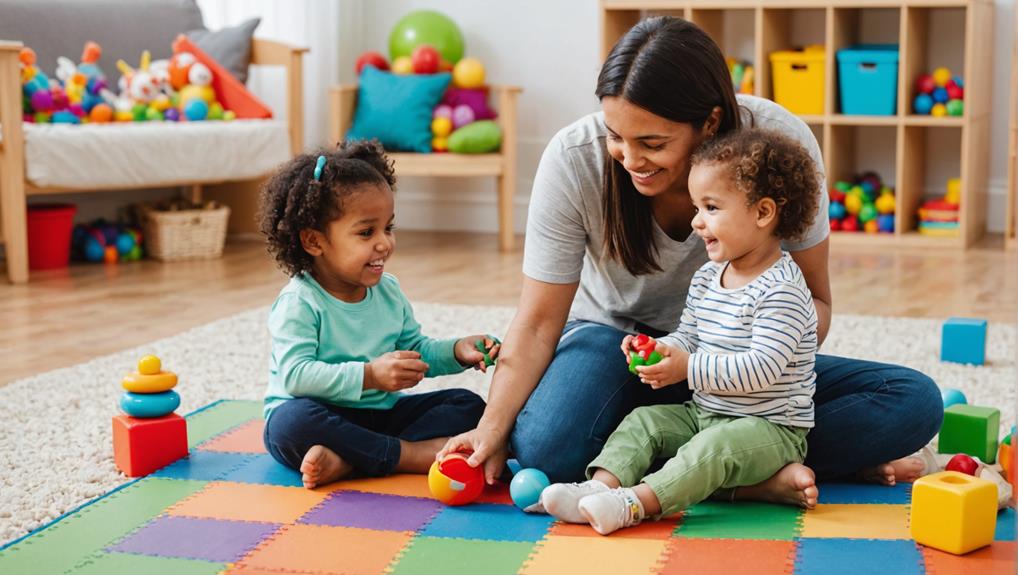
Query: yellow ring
x,y
156,383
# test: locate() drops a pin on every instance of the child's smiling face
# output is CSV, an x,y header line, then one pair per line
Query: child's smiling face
x,y
730,227
350,255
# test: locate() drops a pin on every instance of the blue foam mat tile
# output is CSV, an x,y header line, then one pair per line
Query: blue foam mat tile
x,y
262,468
488,521
835,556
864,493
1005,525
204,466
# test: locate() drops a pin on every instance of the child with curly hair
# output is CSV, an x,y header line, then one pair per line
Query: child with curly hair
x,y
344,339
746,346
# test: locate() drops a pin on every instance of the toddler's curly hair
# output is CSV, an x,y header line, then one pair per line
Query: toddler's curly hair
x,y
292,200
768,164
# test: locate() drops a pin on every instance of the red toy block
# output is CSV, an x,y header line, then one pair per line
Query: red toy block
x,y
230,92
143,445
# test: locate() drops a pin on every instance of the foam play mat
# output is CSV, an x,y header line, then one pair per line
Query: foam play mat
x,y
230,508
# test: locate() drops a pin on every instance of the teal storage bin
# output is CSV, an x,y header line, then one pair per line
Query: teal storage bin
x,y
868,79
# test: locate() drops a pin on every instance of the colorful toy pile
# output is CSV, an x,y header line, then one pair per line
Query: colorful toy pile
x,y
428,42
939,94
743,75
939,217
865,204
150,435
179,88
102,241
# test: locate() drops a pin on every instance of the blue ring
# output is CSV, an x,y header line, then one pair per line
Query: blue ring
x,y
318,168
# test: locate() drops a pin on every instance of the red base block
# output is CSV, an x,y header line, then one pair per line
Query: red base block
x,y
143,445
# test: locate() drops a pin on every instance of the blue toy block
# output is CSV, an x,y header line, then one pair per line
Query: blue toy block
x,y
963,340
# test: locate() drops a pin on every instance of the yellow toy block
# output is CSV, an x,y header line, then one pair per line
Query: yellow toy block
x,y
953,512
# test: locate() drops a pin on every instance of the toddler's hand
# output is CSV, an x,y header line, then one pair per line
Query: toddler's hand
x,y
627,345
670,370
467,353
395,371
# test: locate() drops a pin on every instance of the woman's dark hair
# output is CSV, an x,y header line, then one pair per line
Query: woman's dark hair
x,y
768,164
293,200
673,69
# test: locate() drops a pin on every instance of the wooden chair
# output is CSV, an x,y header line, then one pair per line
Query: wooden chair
x,y
502,165
14,188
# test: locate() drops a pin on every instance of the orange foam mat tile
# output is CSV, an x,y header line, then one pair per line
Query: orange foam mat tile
x,y
325,549
999,558
660,530
876,521
403,484
246,438
728,557
249,502
615,555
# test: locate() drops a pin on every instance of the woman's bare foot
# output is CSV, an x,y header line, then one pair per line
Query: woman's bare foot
x,y
417,456
906,469
322,466
793,484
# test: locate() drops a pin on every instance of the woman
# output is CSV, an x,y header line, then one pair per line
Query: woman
x,y
610,251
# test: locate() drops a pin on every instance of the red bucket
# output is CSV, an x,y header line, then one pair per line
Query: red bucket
x,y
49,235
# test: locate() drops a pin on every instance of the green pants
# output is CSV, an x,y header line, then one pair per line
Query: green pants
x,y
706,452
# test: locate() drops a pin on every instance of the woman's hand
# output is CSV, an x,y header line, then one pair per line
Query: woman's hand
x,y
670,370
467,353
486,446
395,371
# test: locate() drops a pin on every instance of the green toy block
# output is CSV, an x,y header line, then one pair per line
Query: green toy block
x,y
972,430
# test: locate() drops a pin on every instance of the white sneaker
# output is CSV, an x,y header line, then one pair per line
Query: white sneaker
x,y
612,510
561,500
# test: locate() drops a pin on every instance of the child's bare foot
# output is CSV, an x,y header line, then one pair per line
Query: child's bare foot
x,y
322,466
793,484
906,469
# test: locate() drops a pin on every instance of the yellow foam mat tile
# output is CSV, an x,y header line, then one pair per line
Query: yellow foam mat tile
x,y
872,521
616,555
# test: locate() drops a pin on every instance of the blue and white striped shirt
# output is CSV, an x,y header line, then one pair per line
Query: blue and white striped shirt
x,y
752,349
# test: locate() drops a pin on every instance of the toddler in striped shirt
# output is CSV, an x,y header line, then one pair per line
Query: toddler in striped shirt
x,y
746,345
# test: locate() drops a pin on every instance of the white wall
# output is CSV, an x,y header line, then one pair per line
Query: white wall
x,y
552,50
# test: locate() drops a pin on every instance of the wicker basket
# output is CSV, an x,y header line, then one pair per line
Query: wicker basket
x,y
185,234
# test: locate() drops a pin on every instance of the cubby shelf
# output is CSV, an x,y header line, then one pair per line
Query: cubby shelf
x,y
1010,234
920,152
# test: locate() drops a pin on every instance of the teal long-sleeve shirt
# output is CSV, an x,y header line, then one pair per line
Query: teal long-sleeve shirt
x,y
320,344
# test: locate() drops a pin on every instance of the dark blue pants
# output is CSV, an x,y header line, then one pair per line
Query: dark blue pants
x,y
368,439
866,413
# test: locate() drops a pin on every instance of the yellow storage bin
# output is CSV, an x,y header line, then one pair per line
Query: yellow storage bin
x,y
799,79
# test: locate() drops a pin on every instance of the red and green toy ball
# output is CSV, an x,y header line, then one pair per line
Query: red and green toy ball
x,y
643,353
426,27
453,482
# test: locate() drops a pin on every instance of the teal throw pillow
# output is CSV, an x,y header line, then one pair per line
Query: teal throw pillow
x,y
397,109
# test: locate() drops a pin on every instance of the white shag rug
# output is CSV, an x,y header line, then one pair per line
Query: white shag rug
x,y
56,447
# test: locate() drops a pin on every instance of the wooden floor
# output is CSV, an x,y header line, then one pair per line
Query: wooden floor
x,y
66,317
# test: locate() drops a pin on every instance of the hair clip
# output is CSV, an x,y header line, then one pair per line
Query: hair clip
x,y
318,168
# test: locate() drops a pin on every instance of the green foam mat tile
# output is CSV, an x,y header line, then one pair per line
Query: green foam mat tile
x,y
74,538
129,564
745,520
448,556
219,417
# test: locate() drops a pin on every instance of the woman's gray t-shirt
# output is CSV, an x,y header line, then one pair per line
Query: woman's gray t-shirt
x,y
565,231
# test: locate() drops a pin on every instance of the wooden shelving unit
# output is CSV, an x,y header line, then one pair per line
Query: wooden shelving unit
x,y
915,154
1010,233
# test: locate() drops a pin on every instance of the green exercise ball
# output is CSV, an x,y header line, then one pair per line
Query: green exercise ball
x,y
426,27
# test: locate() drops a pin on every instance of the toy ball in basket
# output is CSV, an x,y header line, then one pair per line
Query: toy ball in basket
x,y
181,230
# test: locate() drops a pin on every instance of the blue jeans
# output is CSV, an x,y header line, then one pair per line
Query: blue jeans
x,y
866,413
368,439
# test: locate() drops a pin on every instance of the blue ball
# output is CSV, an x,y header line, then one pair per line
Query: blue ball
x,y
65,117
526,487
922,104
836,211
197,110
125,243
952,396
940,96
885,222
958,81
94,250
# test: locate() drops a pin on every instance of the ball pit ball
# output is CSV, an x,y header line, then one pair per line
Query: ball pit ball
x,y
468,73
952,396
941,76
526,487
462,115
962,463
938,111
196,110
956,108
940,96
441,127
453,481
885,223
836,211
925,84
922,104
442,111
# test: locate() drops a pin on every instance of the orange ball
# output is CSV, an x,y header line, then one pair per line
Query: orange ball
x,y
101,113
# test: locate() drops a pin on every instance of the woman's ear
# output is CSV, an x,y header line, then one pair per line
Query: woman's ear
x,y
311,241
712,123
766,212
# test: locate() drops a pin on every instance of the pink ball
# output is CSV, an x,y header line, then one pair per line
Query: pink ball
x,y
442,111
60,101
42,101
77,110
462,115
